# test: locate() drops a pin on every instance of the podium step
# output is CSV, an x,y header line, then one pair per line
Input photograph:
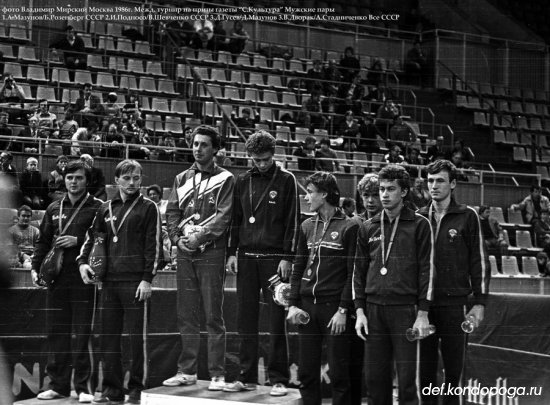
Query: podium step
x,y
198,394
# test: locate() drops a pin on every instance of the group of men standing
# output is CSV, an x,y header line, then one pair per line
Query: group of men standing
x,y
351,279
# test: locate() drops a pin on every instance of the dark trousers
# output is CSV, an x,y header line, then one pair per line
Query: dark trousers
x,y
451,340
356,362
119,306
253,275
311,338
201,275
386,342
70,312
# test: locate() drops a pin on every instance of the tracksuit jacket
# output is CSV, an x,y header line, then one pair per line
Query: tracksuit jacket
x,y
460,258
137,253
215,203
275,230
328,278
410,267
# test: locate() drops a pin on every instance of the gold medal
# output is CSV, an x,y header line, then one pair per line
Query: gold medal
x,y
197,216
383,271
251,220
115,239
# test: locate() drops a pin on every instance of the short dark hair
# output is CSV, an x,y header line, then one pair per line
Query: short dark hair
x,y
87,85
126,166
24,208
76,165
534,187
310,139
260,142
483,208
326,183
348,202
443,165
69,28
349,48
324,141
397,173
60,158
210,132
155,187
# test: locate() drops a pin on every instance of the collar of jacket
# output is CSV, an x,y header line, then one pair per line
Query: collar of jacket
x,y
132,197
454,207
406,214
211,171
339,214
256,172
66,199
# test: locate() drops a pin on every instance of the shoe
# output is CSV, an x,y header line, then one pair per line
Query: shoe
x,y
180,379
50,394
85,398
278,390
239,386
104,400
217,383
134,397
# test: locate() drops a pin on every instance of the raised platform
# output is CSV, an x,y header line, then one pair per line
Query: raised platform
x,y
65,401
199,394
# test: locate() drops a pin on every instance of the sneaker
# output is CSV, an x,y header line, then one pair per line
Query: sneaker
x,y
104,400
239,386
180,379
217,383
134,397
278,390
50,394
85,398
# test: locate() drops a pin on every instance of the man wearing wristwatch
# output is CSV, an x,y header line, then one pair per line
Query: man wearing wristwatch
x,y
321,288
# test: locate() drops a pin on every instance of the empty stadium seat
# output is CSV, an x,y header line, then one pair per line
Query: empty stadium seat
x,y
523,241
160,105
166,86
135,66
154,68
27,53
510,266
173,123
494,266
35,73
105,79
124,45
143,48
128,82
529,266
15,69
46,93
179,106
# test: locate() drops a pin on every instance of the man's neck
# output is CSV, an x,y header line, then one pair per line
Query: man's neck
x,y
73,198
442,206
327,211
394,212
206,167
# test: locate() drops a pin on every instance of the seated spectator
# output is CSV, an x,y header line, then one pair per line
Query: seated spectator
x,y
88,103
394,156
492,234
7,167
140,136
312,115
419,194
132,108
332,77
114,142
6,132
47,121
203,32
415,61
349,65
96,184
31,132
11,92
533,205
437,151
168,143
458,161
67,128
81,135
24,237
56,182
306,154
238,38
154,192
325,157
245,123
314,75
31,185
542,231
349,131
111,110
543,264
74,51
185,142
348,206
219,40
414,158
351,95
374,79
385,117
459,147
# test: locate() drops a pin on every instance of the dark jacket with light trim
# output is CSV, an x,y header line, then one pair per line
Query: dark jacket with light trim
x,y
137,253
328,279
460,259
409,280
276,228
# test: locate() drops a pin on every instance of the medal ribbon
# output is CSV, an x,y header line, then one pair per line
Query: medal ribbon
x,y
115,230
252,208
196,196
317,245
63,230
430,213
385,254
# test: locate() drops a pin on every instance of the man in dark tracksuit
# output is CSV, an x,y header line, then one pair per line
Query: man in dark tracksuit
x,y
461,268
321,287
70,301
132,226
264,230
392,287
198,215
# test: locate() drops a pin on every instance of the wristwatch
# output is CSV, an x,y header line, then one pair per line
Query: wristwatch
x,y
343,310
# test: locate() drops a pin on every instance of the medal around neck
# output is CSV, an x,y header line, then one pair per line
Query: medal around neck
x,y
252,219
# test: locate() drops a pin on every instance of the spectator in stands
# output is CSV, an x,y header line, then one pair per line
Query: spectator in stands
x,y
437,151
219,40
385,117
31,132
465,151
31,184
348,206
114,141
458,161
67,127
374,79
169,144
415,61
5,131
132,108
96,182
351,95
11,91
247,121
74,51
24,236
47,121
111,110
349,65
306,154
140,137
542,231
394,156
185,142
325,157
419,194
238,38
332,77
155,193
414,158
312,115
203,32
492,232
532,205
88,103
314,75
87,134
7,167
56,182
370,196
349,131
543,264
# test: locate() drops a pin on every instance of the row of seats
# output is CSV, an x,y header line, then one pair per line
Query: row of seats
x,y
510,268
512,137
504,106
525,154
509,121
14,32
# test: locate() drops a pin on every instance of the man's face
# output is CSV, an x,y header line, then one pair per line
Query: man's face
x,y
535,194
70,35
457,159
32,166
371,201
75,182
263,161
485,214
310,145
418,183
188,133
439,185
43,108
4,158
153,195
544,216
25,218
314,198
87,91
33,124
391,194
324,146
62,164
4,119
203,151
129,182
395,152
349,210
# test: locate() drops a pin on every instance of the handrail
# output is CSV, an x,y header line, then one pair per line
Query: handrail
x,y
483,38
